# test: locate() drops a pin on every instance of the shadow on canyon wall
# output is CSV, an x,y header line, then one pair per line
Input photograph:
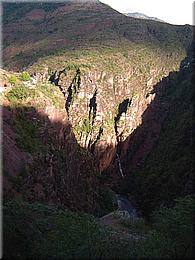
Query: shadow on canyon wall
x,y
156,158
43,162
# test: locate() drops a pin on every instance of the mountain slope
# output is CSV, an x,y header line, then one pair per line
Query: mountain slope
x,y
33,30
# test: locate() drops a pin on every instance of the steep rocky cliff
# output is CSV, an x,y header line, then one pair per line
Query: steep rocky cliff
x,y
97,112
92,96
94,75
157,156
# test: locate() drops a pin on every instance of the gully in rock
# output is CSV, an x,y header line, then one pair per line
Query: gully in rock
x,y
122,108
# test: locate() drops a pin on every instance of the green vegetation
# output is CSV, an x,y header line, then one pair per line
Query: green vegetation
x,y
86,126
28,95
107,200
25,76
40,231
172,236
20,93
53,94
177,224
13,79
37,230
27,130
111,59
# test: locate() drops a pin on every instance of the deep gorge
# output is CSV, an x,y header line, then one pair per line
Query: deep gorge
x,y
97,120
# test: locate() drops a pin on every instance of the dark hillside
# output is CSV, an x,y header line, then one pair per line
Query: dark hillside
x,y
158,159
43,162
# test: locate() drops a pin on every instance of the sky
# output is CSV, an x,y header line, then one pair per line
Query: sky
x,y
171,11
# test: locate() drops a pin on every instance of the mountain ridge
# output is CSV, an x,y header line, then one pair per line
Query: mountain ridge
x,y
143,16
109,28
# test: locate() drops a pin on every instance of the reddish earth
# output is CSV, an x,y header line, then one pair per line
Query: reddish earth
x,y
13,157
63,10
56,174
105,154
36,14
87,27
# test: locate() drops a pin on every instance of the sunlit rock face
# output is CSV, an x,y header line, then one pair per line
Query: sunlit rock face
x,y
93,99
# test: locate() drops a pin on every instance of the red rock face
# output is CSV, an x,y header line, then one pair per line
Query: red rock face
x,y
86,28
105,154
13,157
146,136
140,105
62,173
